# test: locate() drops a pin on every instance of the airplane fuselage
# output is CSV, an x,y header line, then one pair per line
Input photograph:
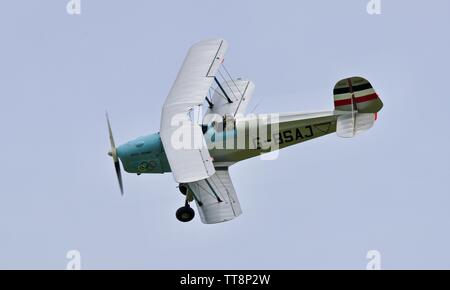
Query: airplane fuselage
x,y
146,154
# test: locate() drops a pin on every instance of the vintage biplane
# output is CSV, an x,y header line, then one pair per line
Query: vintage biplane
x,y
199,153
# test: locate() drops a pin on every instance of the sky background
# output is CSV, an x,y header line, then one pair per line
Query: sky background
x,y
322,204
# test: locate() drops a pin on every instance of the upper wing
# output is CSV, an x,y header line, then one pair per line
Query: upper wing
x,y
239,91
216,198
188,157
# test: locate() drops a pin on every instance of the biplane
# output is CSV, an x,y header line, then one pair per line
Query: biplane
x,y
199,152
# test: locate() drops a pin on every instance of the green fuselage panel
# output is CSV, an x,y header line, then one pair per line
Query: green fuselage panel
x,y
146,154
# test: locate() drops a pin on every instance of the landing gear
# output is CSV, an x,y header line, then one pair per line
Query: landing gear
x,y
185,213
183,189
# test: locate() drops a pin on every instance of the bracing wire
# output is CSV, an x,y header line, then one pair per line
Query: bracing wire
x,y
228,85
229,75
219,93
257,105
210,95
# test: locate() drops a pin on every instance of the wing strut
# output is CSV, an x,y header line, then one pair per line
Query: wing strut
x,y
210,104
223,91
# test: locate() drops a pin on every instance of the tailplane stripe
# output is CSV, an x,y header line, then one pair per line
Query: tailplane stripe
x,y
362,99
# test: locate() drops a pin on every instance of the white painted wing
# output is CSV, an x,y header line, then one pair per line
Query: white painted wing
x,y
183,141
216,198
239,91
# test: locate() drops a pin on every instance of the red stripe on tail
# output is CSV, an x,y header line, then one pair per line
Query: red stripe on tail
x,y
362,99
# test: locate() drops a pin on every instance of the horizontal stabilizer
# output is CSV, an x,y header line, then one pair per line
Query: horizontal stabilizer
x,y
349,125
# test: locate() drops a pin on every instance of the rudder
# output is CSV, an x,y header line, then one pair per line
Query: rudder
x,y
356,94
356,105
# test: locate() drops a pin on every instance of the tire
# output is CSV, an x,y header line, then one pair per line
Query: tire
x,y
185,214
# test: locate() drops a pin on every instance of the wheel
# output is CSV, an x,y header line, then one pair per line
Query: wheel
x,y
185,214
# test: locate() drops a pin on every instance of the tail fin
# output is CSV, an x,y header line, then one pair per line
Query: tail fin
x,y
356,94
356,103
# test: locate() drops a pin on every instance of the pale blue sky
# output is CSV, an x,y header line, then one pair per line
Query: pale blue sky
x,y
322,204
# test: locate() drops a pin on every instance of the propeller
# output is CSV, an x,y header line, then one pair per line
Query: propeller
x,y
113,154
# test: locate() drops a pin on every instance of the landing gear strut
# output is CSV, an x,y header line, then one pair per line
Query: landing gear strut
x,y
185,213
183,189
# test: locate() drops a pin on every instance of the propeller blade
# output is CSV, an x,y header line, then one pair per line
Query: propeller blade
x,y
119,176
111,140
113,154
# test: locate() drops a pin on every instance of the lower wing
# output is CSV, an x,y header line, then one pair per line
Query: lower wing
x,y
215,197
